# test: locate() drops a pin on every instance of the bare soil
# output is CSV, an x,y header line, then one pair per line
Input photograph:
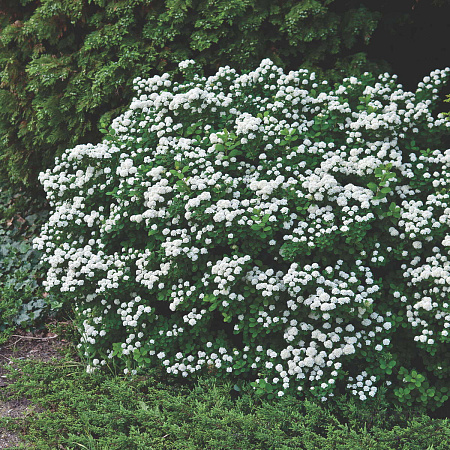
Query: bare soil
x,y
22,345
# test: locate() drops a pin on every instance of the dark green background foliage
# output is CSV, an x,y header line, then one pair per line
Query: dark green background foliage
x,y
153,412
67,66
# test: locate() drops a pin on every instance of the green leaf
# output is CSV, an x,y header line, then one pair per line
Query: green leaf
x,y
235,153
181,185
373,187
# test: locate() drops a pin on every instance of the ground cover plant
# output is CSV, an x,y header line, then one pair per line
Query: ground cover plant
x,y
23,301
263,226
71,409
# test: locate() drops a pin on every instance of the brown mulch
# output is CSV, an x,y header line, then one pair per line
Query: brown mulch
x,y
22,345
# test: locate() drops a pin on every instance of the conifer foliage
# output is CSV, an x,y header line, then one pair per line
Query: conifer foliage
x,y
66,66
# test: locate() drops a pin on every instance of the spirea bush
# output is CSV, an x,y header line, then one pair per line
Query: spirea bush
x,y
263,226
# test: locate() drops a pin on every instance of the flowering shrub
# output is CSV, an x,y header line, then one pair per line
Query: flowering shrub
x,y
264,225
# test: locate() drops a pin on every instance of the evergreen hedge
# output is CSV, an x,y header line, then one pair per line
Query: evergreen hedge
x,y
66,66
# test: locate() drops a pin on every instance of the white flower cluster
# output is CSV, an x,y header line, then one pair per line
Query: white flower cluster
x,y
362,388
263,223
